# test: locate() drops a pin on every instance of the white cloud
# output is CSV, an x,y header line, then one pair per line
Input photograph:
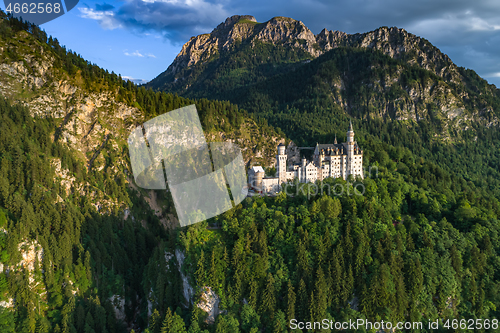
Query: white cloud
x,y
136,81
106,18
136,53
176,20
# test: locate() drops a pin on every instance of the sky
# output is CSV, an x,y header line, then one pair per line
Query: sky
x,y
140,38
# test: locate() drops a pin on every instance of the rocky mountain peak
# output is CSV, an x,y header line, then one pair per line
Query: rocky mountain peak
x,y
232,20
395,42
290,32
243,27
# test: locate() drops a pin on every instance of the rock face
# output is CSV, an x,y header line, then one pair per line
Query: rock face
x,y
394,42
31,256
209,303
202,47
187,290
118,303
238,28
87,117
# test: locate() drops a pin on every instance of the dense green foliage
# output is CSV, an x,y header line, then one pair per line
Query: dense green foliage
x,y
420,243
398,252
294,257
85,257
409,249
83,260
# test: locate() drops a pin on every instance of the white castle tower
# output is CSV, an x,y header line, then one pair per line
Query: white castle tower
x,y
350,151
281,158
354,155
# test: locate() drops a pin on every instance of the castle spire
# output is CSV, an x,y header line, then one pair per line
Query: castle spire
x,y
335,142
350,133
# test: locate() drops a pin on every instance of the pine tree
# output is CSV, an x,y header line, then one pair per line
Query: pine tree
x,y
213,277
269,297
336,279
290,302
167,324
321,296
7,323
177,325
302,301
456,260
414,283
252,298
155,322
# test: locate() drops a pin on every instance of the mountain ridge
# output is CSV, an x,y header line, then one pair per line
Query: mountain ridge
x,y
293,33
240,54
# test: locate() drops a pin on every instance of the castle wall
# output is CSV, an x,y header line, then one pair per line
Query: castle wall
x,y
270,185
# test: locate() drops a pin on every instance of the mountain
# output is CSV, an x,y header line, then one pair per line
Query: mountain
x,y
91,104
83,249
240,53
396,87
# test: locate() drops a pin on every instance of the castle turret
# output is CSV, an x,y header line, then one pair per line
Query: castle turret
x,y
255,176
354,155
350,133
321,158
281,163
350,150
259,175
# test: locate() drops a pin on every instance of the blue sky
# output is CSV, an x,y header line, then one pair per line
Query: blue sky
x,y
140,38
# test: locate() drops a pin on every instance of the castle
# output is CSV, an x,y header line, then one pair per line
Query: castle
x,y
328,160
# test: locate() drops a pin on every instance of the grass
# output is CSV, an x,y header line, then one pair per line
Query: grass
x,y
247,21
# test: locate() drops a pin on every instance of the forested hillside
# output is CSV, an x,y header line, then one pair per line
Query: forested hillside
x,y
313,104
89,102
401,251
82,249
77,233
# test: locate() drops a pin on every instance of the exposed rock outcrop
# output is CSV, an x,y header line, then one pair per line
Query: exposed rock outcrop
x,y
238,28
187,290
444,94
118,303
209,302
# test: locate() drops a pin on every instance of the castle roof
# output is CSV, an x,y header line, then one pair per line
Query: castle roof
x,y
333,147
328,145
257,169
